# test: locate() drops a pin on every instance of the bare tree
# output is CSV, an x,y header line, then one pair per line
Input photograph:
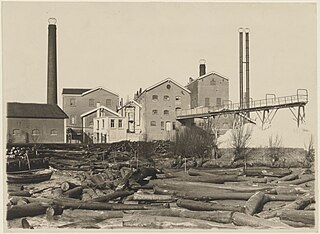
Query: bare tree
x,y
240,141
310,151
275,144
211,129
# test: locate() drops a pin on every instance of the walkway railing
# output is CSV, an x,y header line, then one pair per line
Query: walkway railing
x,y
300,98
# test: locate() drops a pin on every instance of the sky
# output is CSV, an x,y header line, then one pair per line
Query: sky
x,y
125,46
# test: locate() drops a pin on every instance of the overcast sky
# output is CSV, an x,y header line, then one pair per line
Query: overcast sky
x,y
125,46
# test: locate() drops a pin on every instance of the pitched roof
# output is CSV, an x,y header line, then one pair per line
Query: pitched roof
x,y
82,92
74,91
34,110
208,74
163,81
129,103
99,107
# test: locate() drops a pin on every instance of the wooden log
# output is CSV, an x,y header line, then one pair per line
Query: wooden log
x,y
52,211
241,219
22,193
289,177
15,200
214,216
74,193
253,179
152,197
277,172
206,206
299,181
201,171
255,203
302,216
65,186
219,179
25,224
99,181
105,206
271,205
30,209
112,196
297,224
271,197
311,206
164,222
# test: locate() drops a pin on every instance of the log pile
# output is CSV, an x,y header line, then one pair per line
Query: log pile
x,y
101,189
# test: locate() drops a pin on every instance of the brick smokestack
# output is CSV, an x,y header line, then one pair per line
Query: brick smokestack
x,y
202,67
52,63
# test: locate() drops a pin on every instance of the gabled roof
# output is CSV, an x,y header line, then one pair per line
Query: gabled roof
x,y
74,91
130,102
100,107
34,110
166,80
82,92
208,74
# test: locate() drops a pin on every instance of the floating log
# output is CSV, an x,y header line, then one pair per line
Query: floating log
x,y
301,216
214,216
105,206
299,181
161,222
206,206
255,203
65,186
276,172
112,196
30,209
22,193
226,171
152,197
74,193
287,178
241,219
218,179
271,197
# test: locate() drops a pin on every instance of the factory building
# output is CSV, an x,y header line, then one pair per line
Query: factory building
x,y
81,107
35,123
211,90
160,103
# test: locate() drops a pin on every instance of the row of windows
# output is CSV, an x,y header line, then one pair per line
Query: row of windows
x,y
35,132
155,97
207,102
165,112
164,125
91,102
112,123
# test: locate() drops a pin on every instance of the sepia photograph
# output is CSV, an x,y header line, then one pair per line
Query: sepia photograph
x,y
171,116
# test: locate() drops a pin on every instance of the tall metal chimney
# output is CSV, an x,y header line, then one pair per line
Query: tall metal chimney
x,y
202,67
52,63
247,70
241,66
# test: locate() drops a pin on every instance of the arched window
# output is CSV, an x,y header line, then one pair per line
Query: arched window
x,y
154,112
35,132
154,97
166,98
166,112
53,132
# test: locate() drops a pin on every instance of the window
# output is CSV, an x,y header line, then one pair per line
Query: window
x,y
166,112
103,123
97,124
218,101
212,82
168,126
35,132
173,125
178,109
131,116
72,119
112,123
16,131
53,132
168,86
178,101
72,102
162,125
154,97
120,123
166,98
108,102
153,123
207,102
155,112
91,102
